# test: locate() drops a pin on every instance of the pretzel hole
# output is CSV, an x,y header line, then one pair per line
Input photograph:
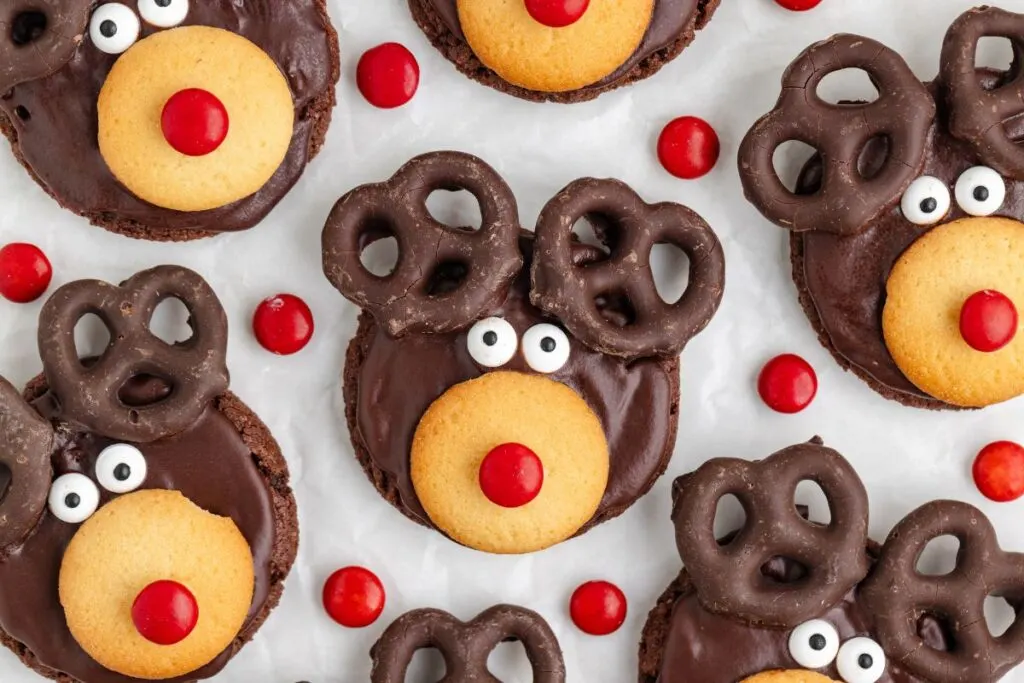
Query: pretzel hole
x,y
456,208
28,26
670,267
935,632
92,337
791,160
811,497
784,571
994,53
616,308
999,615
378,248
170,322
592,230
730,519
509,662
844,85
22,113
446,277
939,556
144,389
427,666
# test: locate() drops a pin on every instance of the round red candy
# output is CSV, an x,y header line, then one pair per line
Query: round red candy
x,y
598,608
511,475
787,384
388,75
283,324
165,612
799,5
557,13
354,597
25,272
194,122
688,147
999,471
988,321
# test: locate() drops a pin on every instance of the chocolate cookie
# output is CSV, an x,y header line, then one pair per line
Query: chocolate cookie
x,y
170,120
124,479
924,158
788,600
470,321
566,64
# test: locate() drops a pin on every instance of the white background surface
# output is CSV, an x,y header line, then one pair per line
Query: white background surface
x,y
729,76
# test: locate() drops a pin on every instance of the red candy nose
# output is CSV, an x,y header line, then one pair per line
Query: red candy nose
x,y
988,321
194,122
165,612
511,475
557,13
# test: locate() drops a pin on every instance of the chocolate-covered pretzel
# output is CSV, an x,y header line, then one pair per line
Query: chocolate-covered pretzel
x,y
405,301
90,392
466,646
729,578
26,440
630,228
42,35
899,595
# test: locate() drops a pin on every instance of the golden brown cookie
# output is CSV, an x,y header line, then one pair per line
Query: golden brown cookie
x,y
528,54
788,676
551,419
140,538
926,291
243,77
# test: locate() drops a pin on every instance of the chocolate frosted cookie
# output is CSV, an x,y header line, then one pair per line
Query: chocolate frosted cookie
x,y
514,389
167,119
906,233
466,646
788,600
522,48
124,479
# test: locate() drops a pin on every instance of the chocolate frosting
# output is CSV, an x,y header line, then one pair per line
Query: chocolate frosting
x,y
55,117
670,20
209,463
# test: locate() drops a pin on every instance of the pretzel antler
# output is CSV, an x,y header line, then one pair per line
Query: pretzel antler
x,y
846,201
977,115
89,394
899,596
37,37
26,442
466,646
403,302
729,579
572,292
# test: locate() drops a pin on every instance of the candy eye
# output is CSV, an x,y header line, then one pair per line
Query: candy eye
x,y
546,348
114,28
980,191
861,660
73,498
926,201
163,13
121,468
814,644
492,342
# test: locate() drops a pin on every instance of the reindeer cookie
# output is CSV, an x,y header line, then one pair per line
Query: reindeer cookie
x,y
167,119
521,48
466,646
787,600
514,389
146,522
906,234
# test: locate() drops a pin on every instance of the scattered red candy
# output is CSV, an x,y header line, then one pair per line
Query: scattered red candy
x,y
799,5
988,321
999,471
557,13
598,608
787,384
25,272
511,475
688,147
194,122
354,597
165,612
283,324
388,75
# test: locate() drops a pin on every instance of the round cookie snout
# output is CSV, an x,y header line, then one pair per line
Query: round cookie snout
x,y
469,420
238,74
788,676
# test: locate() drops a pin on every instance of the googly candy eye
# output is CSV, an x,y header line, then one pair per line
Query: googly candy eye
x,y
163,13
121,468
73,498
814,644
861,660
492,342
546,348
926,201
114,28
980,191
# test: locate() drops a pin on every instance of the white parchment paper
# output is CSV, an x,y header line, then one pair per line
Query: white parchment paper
x,y
730,76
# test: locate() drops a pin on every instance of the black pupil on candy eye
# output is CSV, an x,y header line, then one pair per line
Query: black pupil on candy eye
x,y
108,28
981,193
818,642
865,661
547,344
122,472
930,205
72,500
490,338
163,3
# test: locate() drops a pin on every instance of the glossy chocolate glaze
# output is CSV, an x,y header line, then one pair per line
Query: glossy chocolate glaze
x,y
59,140
209,463
670,20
